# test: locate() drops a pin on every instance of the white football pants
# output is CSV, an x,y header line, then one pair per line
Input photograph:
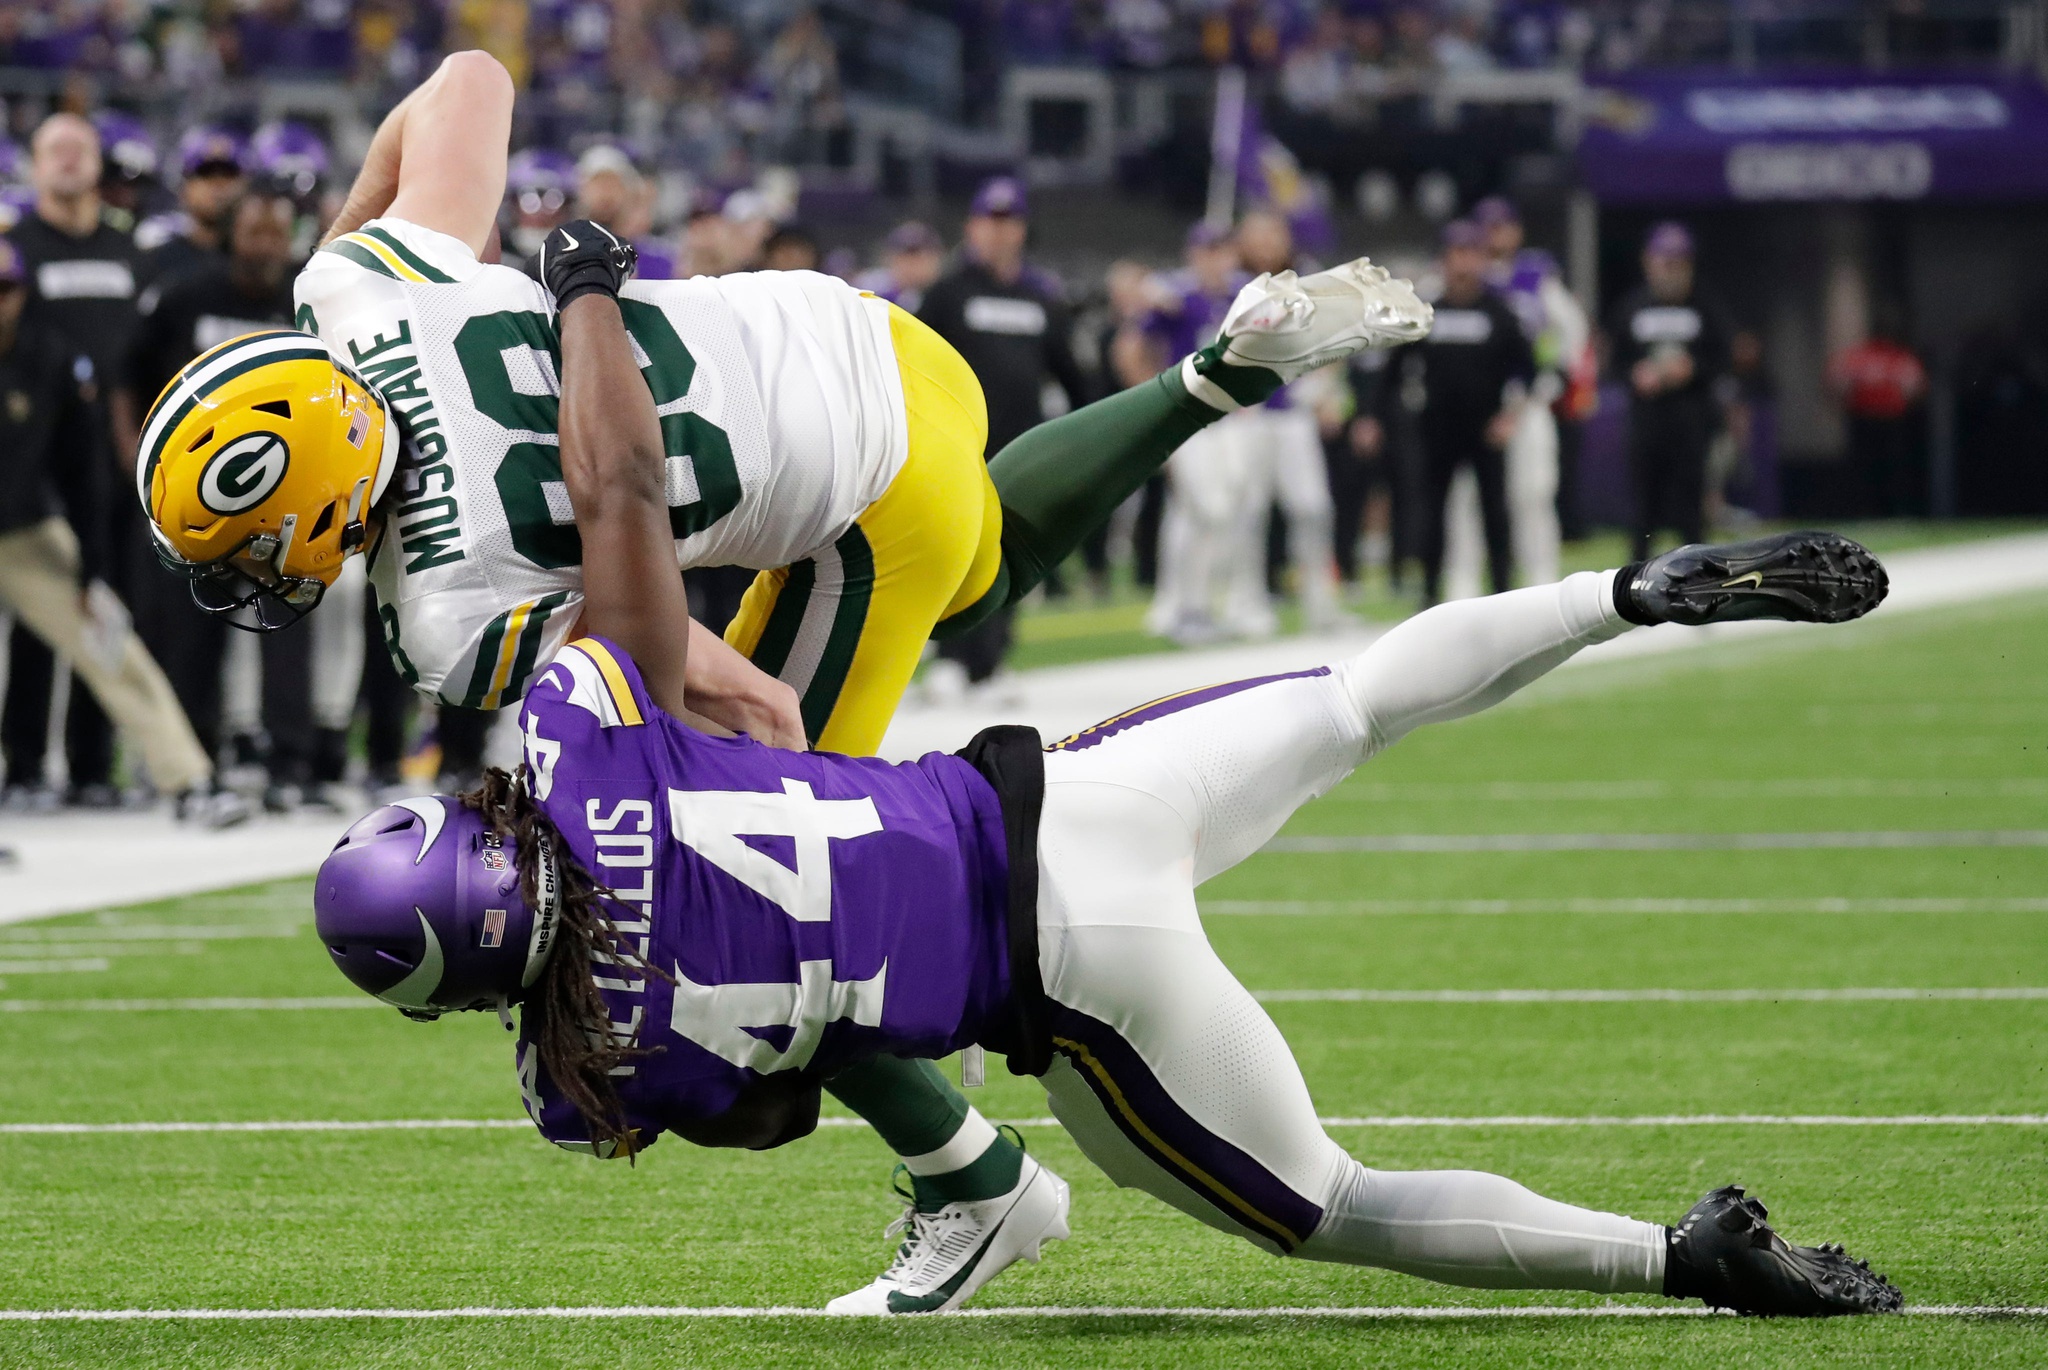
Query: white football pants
x,y
1169,1074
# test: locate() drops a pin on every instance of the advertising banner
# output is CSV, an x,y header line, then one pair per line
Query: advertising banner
x,y
1696,138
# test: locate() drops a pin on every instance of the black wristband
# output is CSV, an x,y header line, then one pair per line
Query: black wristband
x,y
586,286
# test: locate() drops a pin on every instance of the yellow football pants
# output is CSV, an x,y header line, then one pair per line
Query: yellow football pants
x,y
845,628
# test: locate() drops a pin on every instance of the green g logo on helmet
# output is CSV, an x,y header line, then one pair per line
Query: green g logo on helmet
x,y
242,473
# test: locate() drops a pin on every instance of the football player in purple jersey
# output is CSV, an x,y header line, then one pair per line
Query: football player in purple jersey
x,y
701,930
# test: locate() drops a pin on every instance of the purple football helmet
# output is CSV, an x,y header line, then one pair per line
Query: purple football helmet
x,y
419,905
290,154
212,146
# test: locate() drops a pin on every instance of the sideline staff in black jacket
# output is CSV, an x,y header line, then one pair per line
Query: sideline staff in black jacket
x,y
1671,348
1010,322
1466,382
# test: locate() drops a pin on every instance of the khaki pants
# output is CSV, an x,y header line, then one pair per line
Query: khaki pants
x,y
39,584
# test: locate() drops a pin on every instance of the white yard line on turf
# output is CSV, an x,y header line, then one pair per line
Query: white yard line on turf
x,y
1640,996
1656,841
842,1120
1424,1312
14,940
1565,905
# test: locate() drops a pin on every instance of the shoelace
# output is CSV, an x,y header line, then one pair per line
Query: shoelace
x,y
920,1226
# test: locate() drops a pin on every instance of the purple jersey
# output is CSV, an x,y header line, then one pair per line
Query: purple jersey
x,y
814,909
1188,317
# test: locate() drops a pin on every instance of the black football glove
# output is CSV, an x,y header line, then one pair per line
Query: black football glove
x,y
581,257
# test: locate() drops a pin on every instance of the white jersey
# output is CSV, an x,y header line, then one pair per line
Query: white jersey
x,y
779,399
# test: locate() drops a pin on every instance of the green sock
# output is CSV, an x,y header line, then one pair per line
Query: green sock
x,y
1063,479
913,1106
925,1120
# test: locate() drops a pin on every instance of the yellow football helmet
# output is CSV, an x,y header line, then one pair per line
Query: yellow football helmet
x,y
256,467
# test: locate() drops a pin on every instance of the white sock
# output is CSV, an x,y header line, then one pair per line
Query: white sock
x,y
975,1136
1204,389
1484,1231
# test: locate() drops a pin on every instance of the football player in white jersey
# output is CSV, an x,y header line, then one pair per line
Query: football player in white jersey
x,y
811,431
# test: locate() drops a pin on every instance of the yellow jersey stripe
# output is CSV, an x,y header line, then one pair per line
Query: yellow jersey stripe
x,y
385,255
1079,1051
614,680
508,648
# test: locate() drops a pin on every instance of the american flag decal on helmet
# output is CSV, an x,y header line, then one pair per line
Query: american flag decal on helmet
x,y
358,428
494,929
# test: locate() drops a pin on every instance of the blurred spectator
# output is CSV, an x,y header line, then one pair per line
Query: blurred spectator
x,y
1363,483
1460,45
1139,33
749,221
801,71
499,27
1287,450
1466,384
128,165
1880,384
1671,348
913,255
538,183
51,586
1100,330
707,246
1009,321
1041,32
1244,33
1558,330
611,191
1317,75
1210,580
82,275
210,162
790,248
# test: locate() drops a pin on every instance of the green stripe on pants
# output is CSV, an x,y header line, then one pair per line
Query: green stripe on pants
x,y
771,653
856,589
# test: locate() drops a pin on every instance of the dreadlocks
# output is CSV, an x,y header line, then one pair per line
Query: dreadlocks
x,y
565,1013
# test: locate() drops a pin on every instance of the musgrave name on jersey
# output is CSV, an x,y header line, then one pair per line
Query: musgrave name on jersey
x,y
429,515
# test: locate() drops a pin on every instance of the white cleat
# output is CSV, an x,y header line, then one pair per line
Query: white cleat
x,y
946,1256
1291,325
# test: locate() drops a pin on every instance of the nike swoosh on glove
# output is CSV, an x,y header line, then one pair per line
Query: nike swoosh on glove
x,y
582,256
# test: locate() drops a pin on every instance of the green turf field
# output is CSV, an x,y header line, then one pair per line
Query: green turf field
x,y
1927,723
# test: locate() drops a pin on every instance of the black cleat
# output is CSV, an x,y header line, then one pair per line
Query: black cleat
x,y
1723,1252
1806,577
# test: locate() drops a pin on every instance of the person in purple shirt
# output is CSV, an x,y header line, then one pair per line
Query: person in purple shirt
x,y
1202,528
913,257
699,930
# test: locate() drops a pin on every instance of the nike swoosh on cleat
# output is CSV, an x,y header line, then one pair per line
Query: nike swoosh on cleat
x,y
900,1302
571,242
1755,579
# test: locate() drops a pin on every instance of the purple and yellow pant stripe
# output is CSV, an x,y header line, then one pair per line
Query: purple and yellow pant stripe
x,y
1242,1190
1169,705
